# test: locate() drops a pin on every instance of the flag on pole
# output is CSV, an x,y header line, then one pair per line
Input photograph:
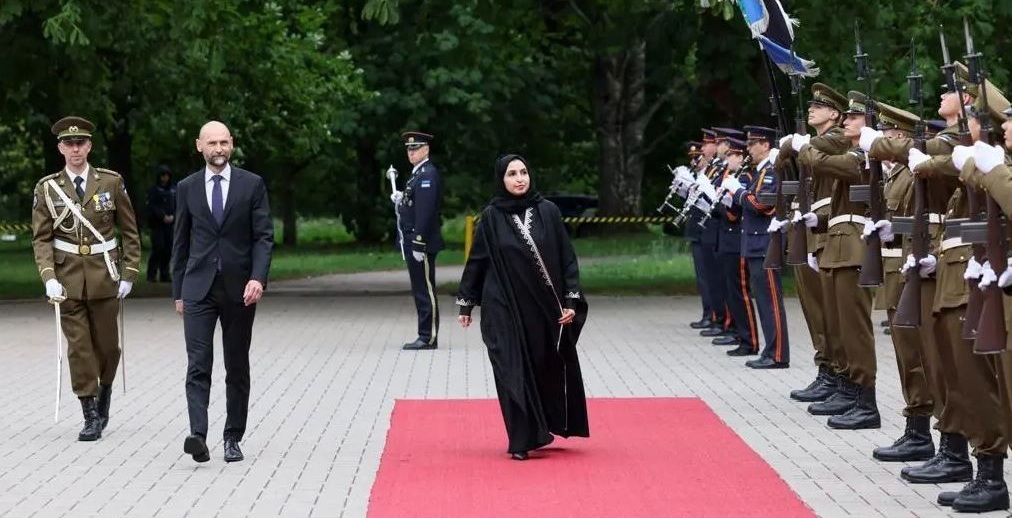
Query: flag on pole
x,y
774,30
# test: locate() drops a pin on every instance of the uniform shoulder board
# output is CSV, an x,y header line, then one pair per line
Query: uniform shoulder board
x,y
107,171
47,178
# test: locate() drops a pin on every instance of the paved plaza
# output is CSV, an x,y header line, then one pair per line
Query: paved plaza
x,y
327,367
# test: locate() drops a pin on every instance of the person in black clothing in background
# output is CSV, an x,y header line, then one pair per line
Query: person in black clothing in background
x,y
161,214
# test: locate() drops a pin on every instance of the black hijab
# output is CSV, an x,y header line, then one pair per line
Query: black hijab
x,y
501,198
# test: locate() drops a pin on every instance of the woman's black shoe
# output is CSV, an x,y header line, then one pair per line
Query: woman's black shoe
x,y
523,455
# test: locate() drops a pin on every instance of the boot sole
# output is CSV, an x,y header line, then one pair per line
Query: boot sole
x,y
913,480
908,458
1001,505
828,412
805,399
871,426
88,439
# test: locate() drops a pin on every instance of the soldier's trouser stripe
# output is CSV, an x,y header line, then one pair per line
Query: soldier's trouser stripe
x,y
432,298
778,351
746,297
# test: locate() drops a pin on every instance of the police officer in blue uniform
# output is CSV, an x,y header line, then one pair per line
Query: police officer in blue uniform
x,y
765,284
734,268
419,208
712,315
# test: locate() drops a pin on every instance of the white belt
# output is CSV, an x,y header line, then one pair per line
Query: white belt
x,y
847,218
952,242
936,219
97,248
820,204
892,252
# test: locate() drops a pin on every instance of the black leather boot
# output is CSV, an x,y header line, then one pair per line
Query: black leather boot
x,y
862,416
987,492
914,444
104,399
91,431
950,464
823,386
702,323
839,402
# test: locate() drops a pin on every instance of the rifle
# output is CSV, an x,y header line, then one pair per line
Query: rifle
x,y
798,252
908,309
775,253
871,264
990,335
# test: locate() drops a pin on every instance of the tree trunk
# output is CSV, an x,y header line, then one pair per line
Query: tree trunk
x,y
621,118
363,218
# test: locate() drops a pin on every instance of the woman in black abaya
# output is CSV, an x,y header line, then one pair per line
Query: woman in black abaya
x,y
523,273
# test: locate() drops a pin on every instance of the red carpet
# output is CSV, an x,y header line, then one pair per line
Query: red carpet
x,y
645,457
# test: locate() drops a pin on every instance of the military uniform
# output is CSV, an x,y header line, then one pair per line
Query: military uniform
x,y
89,267
705,255
712,314
420,218
766,284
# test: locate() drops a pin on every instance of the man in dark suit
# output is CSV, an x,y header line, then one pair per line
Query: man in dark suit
x,y
221,256
419,208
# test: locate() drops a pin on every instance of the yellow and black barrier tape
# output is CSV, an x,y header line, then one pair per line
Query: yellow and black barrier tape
x,y
619,219
14,228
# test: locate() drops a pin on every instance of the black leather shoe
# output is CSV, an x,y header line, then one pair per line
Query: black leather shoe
x,y
232,451
838,403
92,430
419,345
742,350
701,324
950,464
195,446
522,455
104,400
766,363
915,443
945,498
711,332
823,386
863,415
725,340
884,323
887,331
987,492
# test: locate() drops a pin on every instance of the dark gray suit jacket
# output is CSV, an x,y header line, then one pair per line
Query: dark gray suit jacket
x,y
243,241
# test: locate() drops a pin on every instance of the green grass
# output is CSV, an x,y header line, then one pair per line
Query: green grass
x,y
641,264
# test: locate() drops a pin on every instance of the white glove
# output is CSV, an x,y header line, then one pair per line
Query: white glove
x,y
987,275
419,256
1005,280
703,204
682,190
124,289
800,141
680,170
908,264
960,154
915,158
707,188
776,225
813,263
810,219
731,184
928,265
885,230
973,270
396,197
784,139
987,157
727,200
869,227
868,137
774,153
54,289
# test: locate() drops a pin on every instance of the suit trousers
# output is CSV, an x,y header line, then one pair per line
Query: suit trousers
x,y
702,286
917,359
739,299
809,288
200,317
423,287
93,351
849,321
769,300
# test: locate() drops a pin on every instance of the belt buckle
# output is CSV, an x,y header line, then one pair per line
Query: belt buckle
x,y
84,249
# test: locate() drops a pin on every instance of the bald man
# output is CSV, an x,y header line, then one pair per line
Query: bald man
x,y
221,255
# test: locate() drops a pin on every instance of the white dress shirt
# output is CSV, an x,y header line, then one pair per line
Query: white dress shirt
x,y
418,166
84,174
226,176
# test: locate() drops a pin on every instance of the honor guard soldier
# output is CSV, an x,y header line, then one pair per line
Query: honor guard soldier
x,y
765,284
702,256
86,268
419,208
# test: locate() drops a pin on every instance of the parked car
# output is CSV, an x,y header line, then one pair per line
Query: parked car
x,y
574,206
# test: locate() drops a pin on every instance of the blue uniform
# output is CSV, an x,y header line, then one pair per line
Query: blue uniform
x,y
765,284
735,270
704,256
420,215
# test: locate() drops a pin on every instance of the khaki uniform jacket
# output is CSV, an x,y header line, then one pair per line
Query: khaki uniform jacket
x,y
951,290
844,247
830,142
898,191
898,149
108,208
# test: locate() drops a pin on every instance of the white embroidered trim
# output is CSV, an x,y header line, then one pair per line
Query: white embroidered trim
x,y
525,232
573,295
466,302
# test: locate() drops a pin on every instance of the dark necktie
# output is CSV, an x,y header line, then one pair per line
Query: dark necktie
x,y
217,202
78,187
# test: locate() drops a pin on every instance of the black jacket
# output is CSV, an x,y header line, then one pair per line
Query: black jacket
x,y
421,209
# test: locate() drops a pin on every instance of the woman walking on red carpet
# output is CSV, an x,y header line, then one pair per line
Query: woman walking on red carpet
x,y
523,273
